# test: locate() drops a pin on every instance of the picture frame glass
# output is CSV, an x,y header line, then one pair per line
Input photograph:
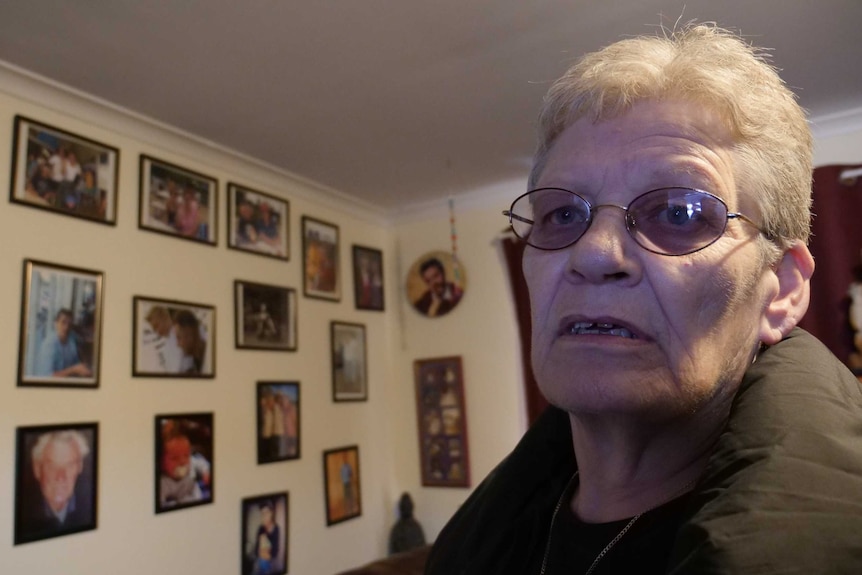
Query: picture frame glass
x,y
56,485
258,222
321,260
349,362
185,470
278,421
265,317
173,339
61,326
342,484
65,173
442,418
368,278
265,531
178,202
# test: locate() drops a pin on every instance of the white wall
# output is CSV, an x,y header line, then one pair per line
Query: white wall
x,y
205,539
482,330
838,138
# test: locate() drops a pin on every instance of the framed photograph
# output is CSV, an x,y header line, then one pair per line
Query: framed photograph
x,y
184,461
320,259
61,326
258,222
64,173
368,278
264,534
265,316
172,338
436,283
442,418
349,362
341,479
177,202
56,477
277,421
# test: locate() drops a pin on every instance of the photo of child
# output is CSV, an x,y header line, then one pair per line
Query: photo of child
x,y
184,461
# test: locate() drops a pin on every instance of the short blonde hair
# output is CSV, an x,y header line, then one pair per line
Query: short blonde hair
x,y
712,66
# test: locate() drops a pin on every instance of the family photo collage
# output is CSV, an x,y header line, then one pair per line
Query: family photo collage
x,y
56,474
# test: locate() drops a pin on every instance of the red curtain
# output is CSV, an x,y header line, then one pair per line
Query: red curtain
x,y
836,244
513,249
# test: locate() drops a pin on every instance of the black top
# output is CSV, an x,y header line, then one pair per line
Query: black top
x,y
781,492
644,549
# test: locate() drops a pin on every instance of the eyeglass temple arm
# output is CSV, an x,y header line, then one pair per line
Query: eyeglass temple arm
x,y
512,216
743,217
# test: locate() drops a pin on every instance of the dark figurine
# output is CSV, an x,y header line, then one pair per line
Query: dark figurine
x,y
406,534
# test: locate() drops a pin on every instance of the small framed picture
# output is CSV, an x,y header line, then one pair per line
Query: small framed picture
x,y
265,316
264,534
173,338
258,222
341,477
368,278
64,173
184,461
436,283
56,480
177,202
61,326
320,258
277,421
442,418
349,364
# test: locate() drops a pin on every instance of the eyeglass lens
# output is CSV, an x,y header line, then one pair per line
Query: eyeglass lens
x,y
671,221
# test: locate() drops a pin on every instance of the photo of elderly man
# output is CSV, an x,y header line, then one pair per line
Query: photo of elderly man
x,y
56,481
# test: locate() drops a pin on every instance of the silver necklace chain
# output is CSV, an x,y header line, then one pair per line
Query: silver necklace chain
x,y
614,541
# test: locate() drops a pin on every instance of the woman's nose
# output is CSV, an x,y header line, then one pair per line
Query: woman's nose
x,y
605,251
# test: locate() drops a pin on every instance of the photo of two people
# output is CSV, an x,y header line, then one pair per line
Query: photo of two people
x,y
173,339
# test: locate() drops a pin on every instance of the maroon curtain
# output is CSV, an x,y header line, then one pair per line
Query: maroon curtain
x,y
836,244
513,249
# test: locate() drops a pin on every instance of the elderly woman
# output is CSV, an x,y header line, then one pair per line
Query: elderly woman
x,y
694,430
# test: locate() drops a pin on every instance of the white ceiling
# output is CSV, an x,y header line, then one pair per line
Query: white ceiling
x,y
396,102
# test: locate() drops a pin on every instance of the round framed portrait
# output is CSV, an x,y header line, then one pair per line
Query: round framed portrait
x,y
436,283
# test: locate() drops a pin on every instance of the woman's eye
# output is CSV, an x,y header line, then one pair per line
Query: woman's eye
x,y
679,215
564,215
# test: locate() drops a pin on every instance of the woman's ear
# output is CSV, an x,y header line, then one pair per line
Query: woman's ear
x,y
790,302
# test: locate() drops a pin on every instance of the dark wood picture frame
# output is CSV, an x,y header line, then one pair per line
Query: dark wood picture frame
x,y
342,484
321,260
279,411
368,291
60,340
442,418
349,351
172,338
265,317
64,173
257,222
177,202
265,529
184,442
43,452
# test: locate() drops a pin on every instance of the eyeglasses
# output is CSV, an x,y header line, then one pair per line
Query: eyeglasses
x,y
667,221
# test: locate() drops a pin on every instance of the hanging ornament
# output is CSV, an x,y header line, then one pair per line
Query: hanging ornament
x,y
437,280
